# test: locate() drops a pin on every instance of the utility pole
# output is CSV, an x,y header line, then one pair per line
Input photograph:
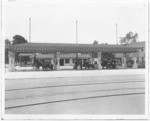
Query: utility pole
x,y
148,21
116,34
76,32
30,30
76,43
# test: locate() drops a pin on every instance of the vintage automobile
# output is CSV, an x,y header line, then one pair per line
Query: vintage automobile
x,y
45,65
109,64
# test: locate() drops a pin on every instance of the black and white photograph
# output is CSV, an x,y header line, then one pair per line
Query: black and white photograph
x,y
75,59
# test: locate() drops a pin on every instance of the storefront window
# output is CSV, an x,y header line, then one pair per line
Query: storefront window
x,y
74,60
66,60
118,61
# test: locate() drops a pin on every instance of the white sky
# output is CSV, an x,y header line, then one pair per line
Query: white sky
x,y
53,21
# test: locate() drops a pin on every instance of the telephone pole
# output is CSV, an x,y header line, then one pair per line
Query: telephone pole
x,y
30,30
76,43
116,34
76,32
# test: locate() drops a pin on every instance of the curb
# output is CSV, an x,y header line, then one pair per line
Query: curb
x,y
77,73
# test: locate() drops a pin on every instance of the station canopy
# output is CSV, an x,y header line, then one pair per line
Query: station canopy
x,y
46,48
62,56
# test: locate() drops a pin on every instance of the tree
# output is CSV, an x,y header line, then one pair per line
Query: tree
x,y
129,38
135,37
7,44
18,39
108,56
95,42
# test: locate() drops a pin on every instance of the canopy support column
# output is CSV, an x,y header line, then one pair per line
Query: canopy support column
x,y
34,63
20,62
140,55
124,64
135,63
57,57
11,61
99,60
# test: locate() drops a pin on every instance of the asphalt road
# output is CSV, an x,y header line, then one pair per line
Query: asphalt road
x,y
115,94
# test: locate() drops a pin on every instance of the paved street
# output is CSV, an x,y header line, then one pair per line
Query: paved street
x,y
104,94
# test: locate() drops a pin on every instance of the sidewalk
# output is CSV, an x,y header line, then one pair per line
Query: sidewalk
x,y
30,68
71,73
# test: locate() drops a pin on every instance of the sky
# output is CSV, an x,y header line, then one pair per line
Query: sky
x,y
54,21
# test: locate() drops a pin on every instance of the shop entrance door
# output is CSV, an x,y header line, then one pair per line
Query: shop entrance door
x,y
61,62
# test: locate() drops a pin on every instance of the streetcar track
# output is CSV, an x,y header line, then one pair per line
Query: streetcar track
x,y
70,77
79,84
72,92
74,99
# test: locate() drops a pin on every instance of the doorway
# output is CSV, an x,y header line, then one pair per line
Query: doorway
x,y
61,62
